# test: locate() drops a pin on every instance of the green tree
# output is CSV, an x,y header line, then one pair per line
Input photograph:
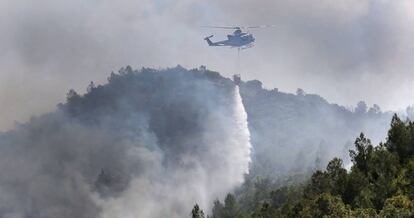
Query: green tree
x,y
279,197
330,206
262,188
362,153
400,138
356,182
324,205
231,208
319,183
337,175
398,206
409,178
383,168
364,213
265,211
303,208
197,212
364,199
217,209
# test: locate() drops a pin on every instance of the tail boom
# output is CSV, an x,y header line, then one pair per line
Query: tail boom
x,y
210,43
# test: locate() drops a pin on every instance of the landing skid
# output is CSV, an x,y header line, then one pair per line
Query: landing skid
x,y
247,46
243,47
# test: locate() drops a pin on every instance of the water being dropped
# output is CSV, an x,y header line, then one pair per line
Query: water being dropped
x,y
243,133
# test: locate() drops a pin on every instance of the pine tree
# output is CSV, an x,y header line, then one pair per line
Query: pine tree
x,y
197,212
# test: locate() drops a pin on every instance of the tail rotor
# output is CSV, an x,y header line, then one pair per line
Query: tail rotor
x,y
210,43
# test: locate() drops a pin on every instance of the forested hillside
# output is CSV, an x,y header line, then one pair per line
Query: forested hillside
x,y
138,142
380,183
126,147
293,134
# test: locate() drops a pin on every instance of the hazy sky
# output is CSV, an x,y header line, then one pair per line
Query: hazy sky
x,y
345,51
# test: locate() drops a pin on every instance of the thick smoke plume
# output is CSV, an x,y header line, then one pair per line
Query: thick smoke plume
x,y
152,143
147,144
200,178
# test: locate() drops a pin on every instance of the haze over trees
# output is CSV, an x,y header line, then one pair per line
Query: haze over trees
x,y
149,136
295,134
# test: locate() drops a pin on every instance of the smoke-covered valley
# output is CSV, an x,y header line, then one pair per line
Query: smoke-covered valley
x,y
152,143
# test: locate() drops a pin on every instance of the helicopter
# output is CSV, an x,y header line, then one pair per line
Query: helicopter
x,y
238,39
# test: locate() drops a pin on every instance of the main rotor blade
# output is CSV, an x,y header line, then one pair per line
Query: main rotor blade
x,y
258,26
221,27
239,27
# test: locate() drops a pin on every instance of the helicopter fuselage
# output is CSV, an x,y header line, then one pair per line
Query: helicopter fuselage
x,y
238,39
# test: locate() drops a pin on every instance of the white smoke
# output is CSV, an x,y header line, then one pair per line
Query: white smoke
x,y
136,147
202,177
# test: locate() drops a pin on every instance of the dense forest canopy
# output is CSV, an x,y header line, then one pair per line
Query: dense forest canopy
x,y
380,183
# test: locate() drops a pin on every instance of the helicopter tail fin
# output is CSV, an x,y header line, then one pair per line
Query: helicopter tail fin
x,y
210,43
